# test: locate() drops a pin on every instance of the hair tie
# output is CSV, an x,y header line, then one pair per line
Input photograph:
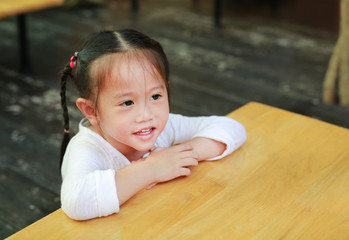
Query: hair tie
x,y
73,60
66,130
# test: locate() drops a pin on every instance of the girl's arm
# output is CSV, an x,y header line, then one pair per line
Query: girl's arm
x,y
212,137
88,191
203,148
206,148
160,166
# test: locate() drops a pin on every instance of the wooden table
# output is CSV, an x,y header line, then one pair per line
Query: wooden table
x,y
290,180
16,7
20,8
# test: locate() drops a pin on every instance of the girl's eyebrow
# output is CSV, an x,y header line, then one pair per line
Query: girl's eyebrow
x,y
130,93
157,87
122,95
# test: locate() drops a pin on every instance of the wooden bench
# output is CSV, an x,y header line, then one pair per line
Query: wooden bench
x,y
19,8
288,181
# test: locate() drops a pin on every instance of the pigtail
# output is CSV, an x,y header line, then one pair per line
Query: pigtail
x,y
66,138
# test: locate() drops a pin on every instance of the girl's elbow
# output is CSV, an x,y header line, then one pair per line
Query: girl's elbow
x,y
72,208
74,204
82,207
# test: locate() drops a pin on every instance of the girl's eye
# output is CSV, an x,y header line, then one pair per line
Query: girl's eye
x,y
127,103
156,97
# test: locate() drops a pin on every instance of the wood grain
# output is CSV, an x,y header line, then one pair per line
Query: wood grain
x,y
290,180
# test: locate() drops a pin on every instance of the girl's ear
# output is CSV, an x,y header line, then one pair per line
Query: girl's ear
x,y
87,108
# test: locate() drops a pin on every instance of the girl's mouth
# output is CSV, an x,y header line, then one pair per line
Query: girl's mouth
x,y
145,131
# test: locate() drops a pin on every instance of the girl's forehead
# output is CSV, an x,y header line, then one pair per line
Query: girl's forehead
x,y
126,70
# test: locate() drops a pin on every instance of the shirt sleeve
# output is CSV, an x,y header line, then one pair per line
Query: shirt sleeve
x,y
88,190
222,129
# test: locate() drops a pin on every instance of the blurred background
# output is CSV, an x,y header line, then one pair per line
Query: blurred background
x,y
223,54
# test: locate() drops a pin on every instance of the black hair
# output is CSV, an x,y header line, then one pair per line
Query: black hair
x,y
97,46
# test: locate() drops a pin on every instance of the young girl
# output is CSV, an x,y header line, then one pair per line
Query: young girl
x,y
128,140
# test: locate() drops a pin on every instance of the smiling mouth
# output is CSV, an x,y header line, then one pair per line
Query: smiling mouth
x,y
145,131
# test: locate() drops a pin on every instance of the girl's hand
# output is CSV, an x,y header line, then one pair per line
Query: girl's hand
x,y
172,162
160,166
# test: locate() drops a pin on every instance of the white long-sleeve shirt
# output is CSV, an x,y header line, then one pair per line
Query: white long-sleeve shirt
x,y
89,164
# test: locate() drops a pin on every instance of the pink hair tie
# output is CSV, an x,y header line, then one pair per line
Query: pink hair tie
x,y
66,130
73,62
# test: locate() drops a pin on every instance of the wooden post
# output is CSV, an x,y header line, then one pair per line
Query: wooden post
x,y
134,6
217,13
330,83
343,85
23,44
336,83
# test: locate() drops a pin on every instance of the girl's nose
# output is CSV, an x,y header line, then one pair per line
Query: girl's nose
x,y
144,114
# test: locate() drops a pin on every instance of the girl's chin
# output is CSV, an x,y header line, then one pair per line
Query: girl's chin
x,y
144,148
144,145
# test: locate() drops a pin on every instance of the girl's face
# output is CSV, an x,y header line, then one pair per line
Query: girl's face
x,y
133,106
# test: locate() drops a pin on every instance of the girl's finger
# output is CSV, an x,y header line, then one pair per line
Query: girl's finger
x,y
189,162
150,186
184,172
189,154
182,147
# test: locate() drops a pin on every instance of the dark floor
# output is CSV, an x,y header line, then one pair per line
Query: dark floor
x,y
213,72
